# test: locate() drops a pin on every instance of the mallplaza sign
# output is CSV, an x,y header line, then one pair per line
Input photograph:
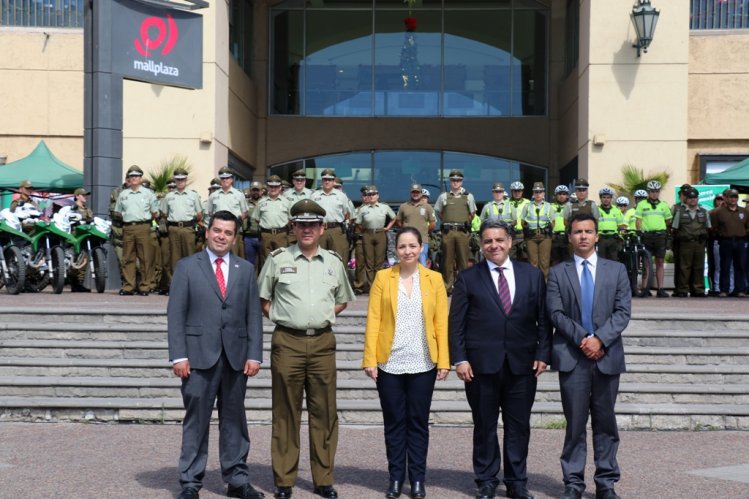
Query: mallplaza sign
x,y
157,45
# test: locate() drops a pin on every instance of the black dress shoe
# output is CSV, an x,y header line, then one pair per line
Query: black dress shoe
x,y
245,491
418,491
282,493
126,293
143,293
394,490
188,493
607,494
518,493
571,492
164,292
486,491
326,491
680,295
79,288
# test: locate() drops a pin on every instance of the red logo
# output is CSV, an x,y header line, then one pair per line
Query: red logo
x,y
166,34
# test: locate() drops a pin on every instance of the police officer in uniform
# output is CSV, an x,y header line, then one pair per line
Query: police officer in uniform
x,y
137,207
455,210
25,188
690,226
302,289
232,200
183,211
675,250
580,203
628,214
560,248
610,222
499,208
300,190
731,225
537,219
77,276
337,211
252,231
272,217
418,214
374,220
654,219
360,272
518,250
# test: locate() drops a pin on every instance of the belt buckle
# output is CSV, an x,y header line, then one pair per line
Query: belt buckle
x,y
310,332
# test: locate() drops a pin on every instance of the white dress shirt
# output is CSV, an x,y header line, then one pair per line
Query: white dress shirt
x,y
508,271
592,260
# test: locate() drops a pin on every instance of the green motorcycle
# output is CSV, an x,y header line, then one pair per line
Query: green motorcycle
x,y
88,248
12,263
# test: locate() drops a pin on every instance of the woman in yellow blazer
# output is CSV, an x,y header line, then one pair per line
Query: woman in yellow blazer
x,y
405,351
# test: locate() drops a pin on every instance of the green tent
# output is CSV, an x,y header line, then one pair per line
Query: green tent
x,y
45,171
737,175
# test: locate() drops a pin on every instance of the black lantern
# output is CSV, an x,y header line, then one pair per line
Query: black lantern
x,y
644,17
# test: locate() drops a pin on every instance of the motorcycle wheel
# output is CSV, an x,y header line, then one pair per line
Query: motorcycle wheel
x,y
58,269
16,270
100,268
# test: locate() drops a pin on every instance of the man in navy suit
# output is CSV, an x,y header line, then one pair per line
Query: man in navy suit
x,y
500,343
589,301
215,342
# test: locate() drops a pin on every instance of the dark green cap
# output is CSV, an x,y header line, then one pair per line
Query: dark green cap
x,y
307,210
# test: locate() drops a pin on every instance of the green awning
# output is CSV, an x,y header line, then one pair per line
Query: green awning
x,y
737,175
45,171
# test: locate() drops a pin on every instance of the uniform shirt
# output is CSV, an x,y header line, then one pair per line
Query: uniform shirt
x,y
181,206
630,219
503,211
519,204
232,201
442,200
303,293
692,213
419,215
84,211
271,213
335,203
21,201
568,208
557,211
730,223
537,216
137,206
292,196
374,216
653,218
608,223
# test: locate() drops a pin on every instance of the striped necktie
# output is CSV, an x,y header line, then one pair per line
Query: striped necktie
x,y
505,299
220,277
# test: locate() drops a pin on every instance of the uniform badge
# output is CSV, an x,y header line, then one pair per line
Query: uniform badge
x,y
741,216
422,211
288,270
330,272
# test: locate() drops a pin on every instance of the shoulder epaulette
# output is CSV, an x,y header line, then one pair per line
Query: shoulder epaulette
x,y
277,252
335,254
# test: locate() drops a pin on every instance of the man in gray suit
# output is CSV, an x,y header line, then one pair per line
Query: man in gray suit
x,y
215,343
588,300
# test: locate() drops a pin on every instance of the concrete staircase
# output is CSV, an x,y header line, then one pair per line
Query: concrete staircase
x,y
68,364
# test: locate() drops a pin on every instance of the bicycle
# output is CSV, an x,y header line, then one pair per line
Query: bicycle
x,y
637,260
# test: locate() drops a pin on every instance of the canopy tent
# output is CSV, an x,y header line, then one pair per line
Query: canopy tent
x,y
43,169
737,175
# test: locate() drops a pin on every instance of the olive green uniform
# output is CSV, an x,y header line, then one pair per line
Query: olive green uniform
x,y
23,200
690,229
336,206
87,216
455,212
303,294
292,195
115,234
235,203
609,222
137,209
417,215
371,220
559,242
272,217
182,211
537,221
574,207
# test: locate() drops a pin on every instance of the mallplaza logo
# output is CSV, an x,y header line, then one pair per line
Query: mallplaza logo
x,y
167,35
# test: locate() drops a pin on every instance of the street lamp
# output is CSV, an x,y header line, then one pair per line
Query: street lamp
x,y
644,17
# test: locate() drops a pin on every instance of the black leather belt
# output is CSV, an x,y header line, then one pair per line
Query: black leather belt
x,y
449,226
190,223
303,332
374,231
137,223
278,230
608,236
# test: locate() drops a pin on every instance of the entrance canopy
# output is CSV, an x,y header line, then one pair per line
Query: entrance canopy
x,y
44,170
737,175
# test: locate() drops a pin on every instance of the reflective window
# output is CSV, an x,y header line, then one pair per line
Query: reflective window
x,y
240,33
442,58
394,171
42,13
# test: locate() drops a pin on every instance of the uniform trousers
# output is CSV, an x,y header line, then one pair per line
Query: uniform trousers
x,y
165,258
608,247
731,255
539,252
519,249
181,243
560,248
116,238
691,267
271,242
375,249
302,364
360,275
334,239
137,243
405,400
454,255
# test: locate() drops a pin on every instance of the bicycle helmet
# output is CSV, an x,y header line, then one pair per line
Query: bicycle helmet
x,y
622,200
561,188
425,192
517,186
654,185
640,193
606,191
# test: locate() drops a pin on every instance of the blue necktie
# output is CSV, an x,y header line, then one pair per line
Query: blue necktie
x,y
587,287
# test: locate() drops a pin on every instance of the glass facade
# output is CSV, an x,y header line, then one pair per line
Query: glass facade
x,y
377,58
394,171
240,33
718,14
42,13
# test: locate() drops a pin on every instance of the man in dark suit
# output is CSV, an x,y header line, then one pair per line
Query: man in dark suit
x,y
500,343
588,301
215,342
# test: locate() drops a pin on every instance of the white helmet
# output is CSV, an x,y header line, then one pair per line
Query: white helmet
x,y
640,193
654,185
517,186
425,192
606,191
561,188
622,200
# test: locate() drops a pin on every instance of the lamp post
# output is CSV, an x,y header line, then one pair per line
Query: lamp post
x,y
644,17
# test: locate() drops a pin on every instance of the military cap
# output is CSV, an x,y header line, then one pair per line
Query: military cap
x,y
692,193
538,186
299,174
247,192
27,184
82,191
498,186
337,181
171,183
581,183
180,174
286,184
225,172
273,181
307,210
364,189
415,187
215,184
373,189
256,185
730,193
147,184
328,173
134,171
457,174
685,188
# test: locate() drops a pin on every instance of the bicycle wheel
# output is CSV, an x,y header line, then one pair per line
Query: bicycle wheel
x,y
645,261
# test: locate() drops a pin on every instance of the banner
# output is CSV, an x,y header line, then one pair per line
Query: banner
x,y
707,194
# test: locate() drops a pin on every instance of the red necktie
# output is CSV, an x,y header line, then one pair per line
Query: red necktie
x,y
220,277
505,299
